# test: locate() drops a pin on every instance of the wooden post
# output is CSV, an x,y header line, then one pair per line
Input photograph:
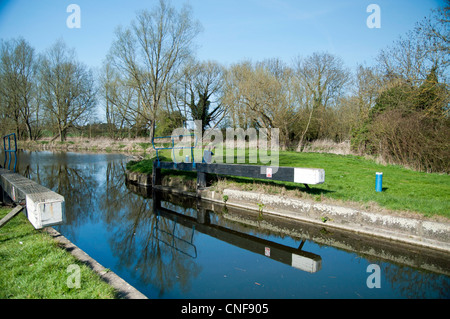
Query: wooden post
x,y
201,179
14,212
156,178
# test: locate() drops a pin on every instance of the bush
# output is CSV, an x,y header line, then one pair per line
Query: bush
x,y
412,139
409,125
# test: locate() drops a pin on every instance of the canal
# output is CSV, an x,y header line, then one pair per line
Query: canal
x,y
168,246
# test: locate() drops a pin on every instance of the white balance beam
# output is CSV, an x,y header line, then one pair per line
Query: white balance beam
x,y
43,207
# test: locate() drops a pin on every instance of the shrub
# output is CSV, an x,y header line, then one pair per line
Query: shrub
x,y
412,139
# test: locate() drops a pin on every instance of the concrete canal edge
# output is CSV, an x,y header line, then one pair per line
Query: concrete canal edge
x,y
124,289
403,227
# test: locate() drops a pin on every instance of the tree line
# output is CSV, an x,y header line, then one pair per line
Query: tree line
x,y
151,83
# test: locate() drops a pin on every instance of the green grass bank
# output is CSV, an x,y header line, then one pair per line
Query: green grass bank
x,y
350,178
33,266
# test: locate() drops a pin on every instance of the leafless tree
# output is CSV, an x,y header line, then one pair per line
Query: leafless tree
x,y
150,52
258,95
18,84
68,90
411,57
323,79
119,101
368,85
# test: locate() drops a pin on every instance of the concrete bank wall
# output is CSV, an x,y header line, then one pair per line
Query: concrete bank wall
x,y
411,229
124,289
139,178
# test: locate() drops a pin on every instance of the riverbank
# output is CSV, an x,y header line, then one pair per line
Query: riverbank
x,y
431,232
119,175
143,145
140,146
35,267
27,255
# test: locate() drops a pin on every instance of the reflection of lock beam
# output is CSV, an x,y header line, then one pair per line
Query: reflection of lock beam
x,y
294,257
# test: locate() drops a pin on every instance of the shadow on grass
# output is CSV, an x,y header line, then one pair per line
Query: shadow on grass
x,y
312,190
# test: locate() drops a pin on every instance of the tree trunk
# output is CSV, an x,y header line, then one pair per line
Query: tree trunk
x,y
152,130
62,135
30,133
300,143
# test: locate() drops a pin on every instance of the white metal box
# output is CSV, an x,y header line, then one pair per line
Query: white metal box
x,y
43,212
309,175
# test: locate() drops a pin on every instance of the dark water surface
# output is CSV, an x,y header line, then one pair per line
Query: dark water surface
x,y
168,246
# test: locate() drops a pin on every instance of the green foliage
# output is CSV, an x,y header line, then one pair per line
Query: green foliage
x,y
200,110
144,166
396,97
167,122
432,97
409,125
360,139
260,207
144,146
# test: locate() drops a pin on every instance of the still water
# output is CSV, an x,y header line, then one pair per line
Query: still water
x,y
168,246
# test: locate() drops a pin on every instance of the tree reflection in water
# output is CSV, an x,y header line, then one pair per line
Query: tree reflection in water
x,y
135,242
155,250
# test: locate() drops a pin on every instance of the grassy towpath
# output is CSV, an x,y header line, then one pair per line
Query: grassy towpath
x,y
33,266
352,178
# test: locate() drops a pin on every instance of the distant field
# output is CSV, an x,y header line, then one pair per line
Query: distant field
x,y
352,178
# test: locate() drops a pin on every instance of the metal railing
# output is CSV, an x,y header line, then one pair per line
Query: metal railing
x,y
173,147
8,149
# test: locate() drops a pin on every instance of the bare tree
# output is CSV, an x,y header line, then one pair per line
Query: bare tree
x,y
151,51
437,29
366,89
18,84
323,79
108,91
259,96
119,101
426,47
68,90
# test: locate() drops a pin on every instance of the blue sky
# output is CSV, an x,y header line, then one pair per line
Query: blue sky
x,y
233,30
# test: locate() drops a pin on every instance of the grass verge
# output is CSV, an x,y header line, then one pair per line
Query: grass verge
x,y
33,266
351,178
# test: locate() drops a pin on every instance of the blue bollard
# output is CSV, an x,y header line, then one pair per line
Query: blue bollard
x,y
379,182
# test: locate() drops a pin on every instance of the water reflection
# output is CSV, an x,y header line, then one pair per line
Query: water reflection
x,y
169,246
244,230
236,236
